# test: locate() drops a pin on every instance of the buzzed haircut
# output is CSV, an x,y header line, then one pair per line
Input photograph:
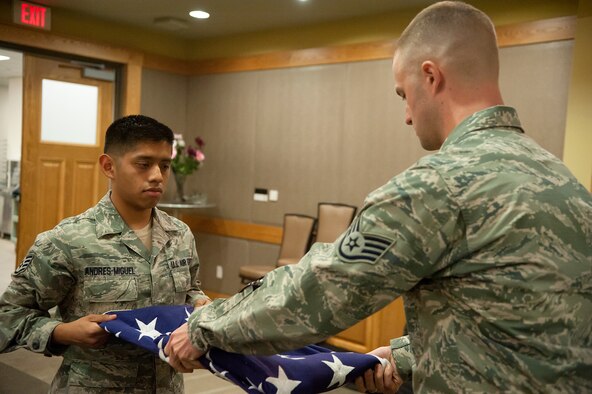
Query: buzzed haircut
x,y
459,31
125,133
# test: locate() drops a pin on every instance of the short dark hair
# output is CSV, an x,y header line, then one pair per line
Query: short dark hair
x,y
126,132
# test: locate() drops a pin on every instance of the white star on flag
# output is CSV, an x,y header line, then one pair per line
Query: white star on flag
x,y
148,330
188,314
161,354
253,387
283,384
340,371
220,374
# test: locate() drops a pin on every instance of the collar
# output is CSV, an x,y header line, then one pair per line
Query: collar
x,y
499,116
109,221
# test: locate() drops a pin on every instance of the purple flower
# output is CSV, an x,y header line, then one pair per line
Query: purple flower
x,y
200,143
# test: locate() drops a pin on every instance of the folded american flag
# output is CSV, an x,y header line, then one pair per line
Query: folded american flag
x,y
311,369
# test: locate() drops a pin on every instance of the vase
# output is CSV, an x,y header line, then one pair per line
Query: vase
x,y
180,184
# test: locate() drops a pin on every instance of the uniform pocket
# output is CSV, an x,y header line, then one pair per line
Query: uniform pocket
x,y
110,290
106,294
102,375
181,280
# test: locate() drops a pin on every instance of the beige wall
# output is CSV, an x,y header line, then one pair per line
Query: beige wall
x,y
322,133
578,136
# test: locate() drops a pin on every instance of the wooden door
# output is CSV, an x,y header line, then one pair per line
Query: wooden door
x,y
58,178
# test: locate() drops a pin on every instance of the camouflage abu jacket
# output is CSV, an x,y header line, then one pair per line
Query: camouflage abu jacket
x,y
489,242
93,263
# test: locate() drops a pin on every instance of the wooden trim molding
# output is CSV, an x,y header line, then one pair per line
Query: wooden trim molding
x,y
234,229
297,58
546,30
167,64
72,46
555,29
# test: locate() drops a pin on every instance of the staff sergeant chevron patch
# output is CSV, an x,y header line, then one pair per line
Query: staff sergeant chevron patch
x,y
24,265
357,247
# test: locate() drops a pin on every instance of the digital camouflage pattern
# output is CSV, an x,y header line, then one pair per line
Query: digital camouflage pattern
x,y
489,242
93,263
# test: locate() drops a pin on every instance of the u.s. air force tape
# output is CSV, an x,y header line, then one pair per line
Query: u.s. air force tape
x,y
358,247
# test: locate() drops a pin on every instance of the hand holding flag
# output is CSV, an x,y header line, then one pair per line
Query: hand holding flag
x,y
312,369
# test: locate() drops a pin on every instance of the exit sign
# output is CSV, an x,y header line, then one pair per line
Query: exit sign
x,y
29,14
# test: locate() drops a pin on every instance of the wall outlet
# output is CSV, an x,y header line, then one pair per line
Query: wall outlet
x,y
219,272
273,195
260,195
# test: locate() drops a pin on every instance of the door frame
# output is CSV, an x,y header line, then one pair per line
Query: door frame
x,y
129,62
41,42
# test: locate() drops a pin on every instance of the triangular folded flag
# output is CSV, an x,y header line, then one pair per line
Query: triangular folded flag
x,y
308,370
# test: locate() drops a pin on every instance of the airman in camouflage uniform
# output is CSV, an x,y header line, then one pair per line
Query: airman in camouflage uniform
x,y
93,263
488,240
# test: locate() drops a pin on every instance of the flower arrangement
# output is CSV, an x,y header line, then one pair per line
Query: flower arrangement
x,y
187,159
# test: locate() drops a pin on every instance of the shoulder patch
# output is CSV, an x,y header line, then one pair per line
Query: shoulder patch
x,y
356,247
24,265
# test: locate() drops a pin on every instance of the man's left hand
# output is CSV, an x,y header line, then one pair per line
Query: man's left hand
x,y
182,355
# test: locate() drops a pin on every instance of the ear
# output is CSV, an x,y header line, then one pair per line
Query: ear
x,y
107,165
432,75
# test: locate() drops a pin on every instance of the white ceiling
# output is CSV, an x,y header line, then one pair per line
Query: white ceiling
x,y
230,16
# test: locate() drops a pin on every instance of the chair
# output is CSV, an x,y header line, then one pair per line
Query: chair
x,y
296,238
332,220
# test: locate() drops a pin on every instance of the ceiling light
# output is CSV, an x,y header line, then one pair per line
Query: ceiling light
x,y
199,14
2,57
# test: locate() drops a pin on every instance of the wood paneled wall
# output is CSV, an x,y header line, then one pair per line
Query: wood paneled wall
x,y
321,133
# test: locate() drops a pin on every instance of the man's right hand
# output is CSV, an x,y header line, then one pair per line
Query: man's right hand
x,y
380,380
84,332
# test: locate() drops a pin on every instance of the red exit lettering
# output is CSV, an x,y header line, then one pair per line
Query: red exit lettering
x,y
33,15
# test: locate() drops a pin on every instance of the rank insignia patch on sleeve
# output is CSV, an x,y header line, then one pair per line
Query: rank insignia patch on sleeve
x,y
356,247
24,265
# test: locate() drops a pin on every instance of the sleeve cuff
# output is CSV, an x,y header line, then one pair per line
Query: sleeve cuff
x,y
40,340
403,356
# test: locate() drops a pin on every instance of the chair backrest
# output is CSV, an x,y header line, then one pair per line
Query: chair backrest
x,y
333,220
296,238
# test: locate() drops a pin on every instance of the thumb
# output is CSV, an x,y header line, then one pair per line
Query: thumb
x,y
101,318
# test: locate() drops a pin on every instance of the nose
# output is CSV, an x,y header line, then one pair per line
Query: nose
x,y
408,120
156,174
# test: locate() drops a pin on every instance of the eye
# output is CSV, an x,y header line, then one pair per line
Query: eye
x,y
143,165
165,167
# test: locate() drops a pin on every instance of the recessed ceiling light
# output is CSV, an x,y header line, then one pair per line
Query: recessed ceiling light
x,y
199,14
2,57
